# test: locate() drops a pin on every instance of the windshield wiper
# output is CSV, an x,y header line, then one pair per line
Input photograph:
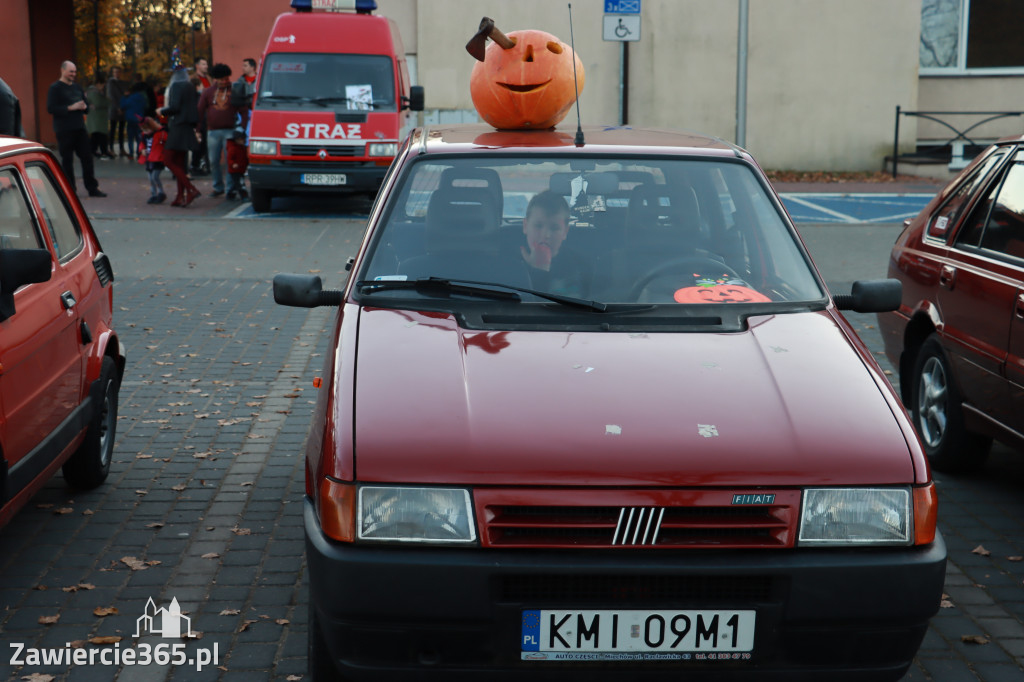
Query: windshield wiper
x,y
326,100
283,98
474,288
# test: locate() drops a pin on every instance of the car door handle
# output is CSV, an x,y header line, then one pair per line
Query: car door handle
x,y
68,299
947,277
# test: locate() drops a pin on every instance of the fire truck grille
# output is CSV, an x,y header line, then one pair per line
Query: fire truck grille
x,y
313,150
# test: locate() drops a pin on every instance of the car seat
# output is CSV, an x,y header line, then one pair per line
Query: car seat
x,y
462,240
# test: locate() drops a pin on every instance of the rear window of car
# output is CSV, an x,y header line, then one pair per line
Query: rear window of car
x,y
18,229
666,231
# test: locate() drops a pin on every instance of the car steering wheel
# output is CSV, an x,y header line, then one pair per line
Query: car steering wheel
x,y
698,263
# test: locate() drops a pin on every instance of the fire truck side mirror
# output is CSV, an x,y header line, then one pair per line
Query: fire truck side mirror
x,y
414,102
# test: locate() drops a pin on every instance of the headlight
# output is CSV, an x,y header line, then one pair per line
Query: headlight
x,y
434,515
382,149
856,516
267,147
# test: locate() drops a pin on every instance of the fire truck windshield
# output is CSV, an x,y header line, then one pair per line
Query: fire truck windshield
x,y
353,82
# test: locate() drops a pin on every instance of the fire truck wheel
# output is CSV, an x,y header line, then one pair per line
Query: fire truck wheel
x,y
260,200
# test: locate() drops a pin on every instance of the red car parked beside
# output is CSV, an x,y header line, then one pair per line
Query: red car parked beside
x,y
589,412
958,336
60,359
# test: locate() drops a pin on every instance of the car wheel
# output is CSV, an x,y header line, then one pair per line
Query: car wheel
x,y
318,660
938,416
260,200
89,465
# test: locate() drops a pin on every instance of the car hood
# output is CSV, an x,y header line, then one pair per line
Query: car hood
x,y
790,401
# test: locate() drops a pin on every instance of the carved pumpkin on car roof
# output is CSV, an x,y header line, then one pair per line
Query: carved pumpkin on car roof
x,y
525,79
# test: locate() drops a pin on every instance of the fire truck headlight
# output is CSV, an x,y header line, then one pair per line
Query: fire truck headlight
x,y
267,147
382,149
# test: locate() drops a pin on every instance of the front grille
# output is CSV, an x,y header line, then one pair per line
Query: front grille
x,y
313,150
631,589
679,519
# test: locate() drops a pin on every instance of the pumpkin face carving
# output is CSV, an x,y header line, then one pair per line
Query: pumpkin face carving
x,y
527,86
719,293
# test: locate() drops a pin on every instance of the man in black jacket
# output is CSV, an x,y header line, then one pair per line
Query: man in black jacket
x,y
10,112
66,102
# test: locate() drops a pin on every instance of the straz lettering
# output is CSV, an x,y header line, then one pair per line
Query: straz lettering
x,y
323,131
767,498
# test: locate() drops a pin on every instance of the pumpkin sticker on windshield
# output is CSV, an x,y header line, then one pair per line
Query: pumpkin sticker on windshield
x,y
719,293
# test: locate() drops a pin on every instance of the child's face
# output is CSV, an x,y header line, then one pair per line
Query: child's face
x,y
545,231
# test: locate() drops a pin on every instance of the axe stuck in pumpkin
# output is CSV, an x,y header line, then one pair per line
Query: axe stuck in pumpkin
x,y
526,79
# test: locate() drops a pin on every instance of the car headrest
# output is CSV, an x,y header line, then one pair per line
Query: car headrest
x,y
461,218
486,178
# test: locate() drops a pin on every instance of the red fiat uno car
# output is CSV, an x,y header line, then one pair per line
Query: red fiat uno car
x,y
60,359
589,412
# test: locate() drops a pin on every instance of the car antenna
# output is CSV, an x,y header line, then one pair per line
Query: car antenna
x,y
575,84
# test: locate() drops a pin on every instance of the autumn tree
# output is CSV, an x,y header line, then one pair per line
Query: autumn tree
x,y
139,35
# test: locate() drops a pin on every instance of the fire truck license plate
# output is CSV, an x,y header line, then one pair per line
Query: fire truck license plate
x,y
637,635
323,179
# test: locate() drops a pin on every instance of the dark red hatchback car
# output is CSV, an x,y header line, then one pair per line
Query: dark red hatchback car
x,y
958,336
589,412
61,361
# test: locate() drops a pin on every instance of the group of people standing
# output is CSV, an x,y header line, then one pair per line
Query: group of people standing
x,y
203,116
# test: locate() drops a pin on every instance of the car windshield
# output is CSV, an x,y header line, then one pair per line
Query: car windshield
x,y
663,231
353,82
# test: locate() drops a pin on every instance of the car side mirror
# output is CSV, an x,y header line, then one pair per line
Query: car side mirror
x,y
19,267
872,296
414,101
303,291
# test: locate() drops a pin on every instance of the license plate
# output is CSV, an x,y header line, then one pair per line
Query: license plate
x,y
323,179
637,635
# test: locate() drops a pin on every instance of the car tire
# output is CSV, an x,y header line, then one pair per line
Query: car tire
x,y
89,465
318,659
261,200
938,416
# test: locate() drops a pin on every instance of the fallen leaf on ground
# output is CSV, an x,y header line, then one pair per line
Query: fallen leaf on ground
x,y
946,604
155,525
246,624
974,639
63,510
38,677
102,611
230,612
282,621
1015,558
179,487
106,639
48,620
210,555
241,531
980,549
133,563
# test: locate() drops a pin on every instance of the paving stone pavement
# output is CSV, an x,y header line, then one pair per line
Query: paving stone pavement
x,y
205,491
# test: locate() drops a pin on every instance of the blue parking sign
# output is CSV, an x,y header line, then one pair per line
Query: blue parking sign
x,y
622,6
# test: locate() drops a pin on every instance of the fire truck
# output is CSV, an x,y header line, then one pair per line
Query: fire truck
x,y
333,101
